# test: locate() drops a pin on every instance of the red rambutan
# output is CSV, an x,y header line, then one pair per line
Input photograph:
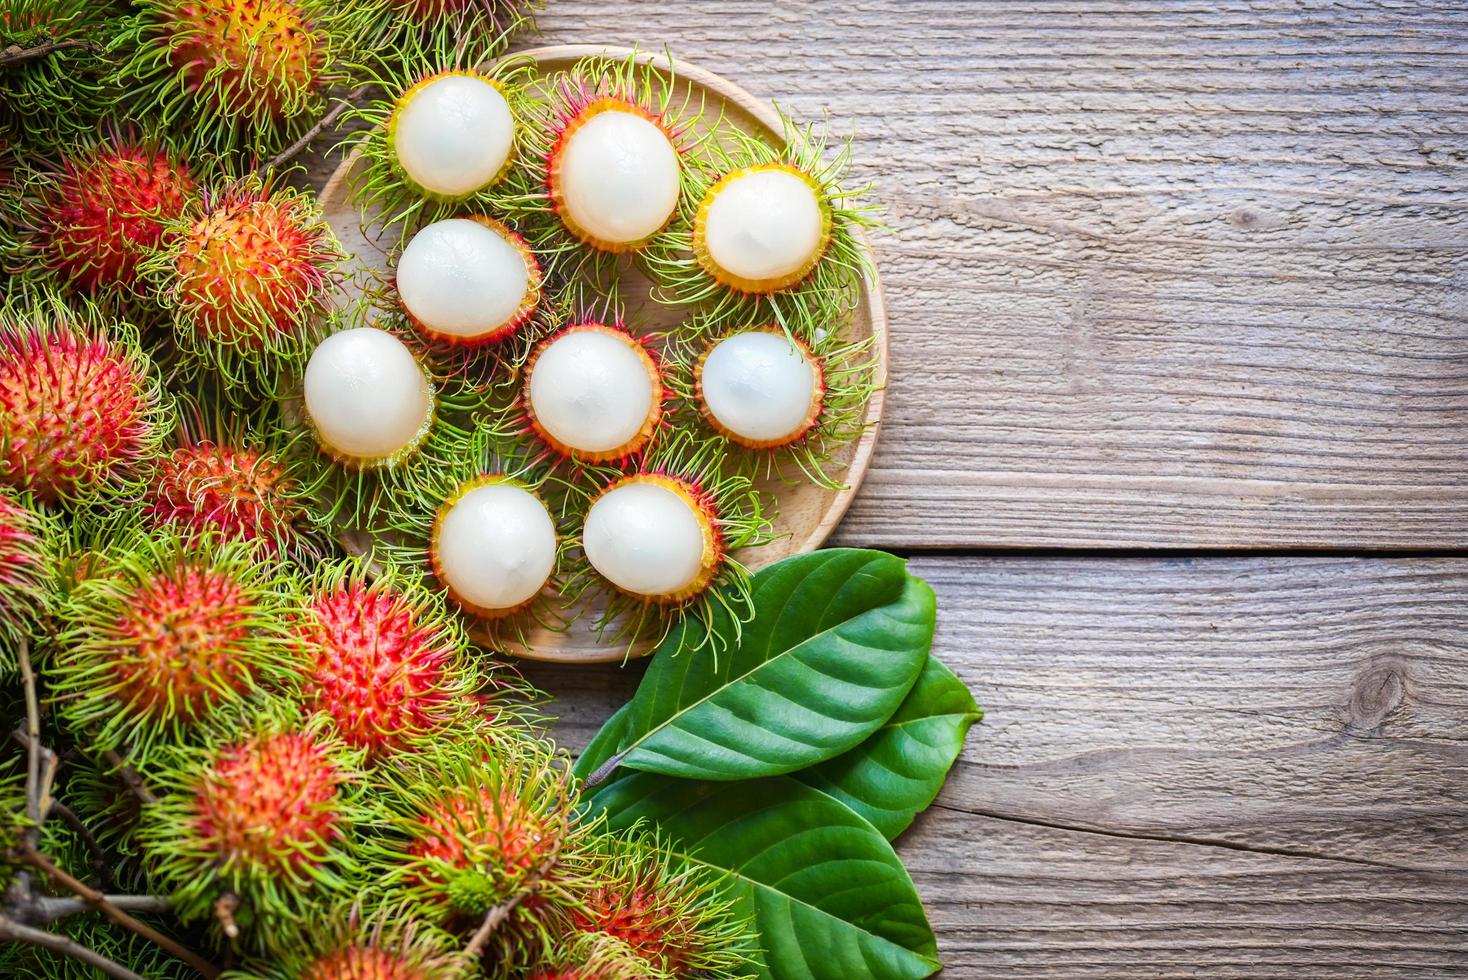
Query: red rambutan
x,y
79,405
384,662
25,571
105,209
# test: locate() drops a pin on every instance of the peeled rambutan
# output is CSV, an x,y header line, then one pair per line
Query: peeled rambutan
x,y
247,276
243,486
267,810
101,210
384,661
25,572
81,412
164,632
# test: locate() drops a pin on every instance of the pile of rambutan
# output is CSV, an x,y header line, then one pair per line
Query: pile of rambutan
x,y
266,528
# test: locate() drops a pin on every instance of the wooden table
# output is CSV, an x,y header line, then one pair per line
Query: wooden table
x,y
1178,430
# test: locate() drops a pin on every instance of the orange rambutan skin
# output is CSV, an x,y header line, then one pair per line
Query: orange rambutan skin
x,y
271,802
242,492
250,263
362,963
186,627
472,825
379,672
74,408
108,210
257,53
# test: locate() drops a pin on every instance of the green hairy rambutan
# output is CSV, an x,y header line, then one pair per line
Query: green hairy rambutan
x,y
485,27
26,572
346,943
247,276
90,217
240,75
58,94
267,814
164,632
81,410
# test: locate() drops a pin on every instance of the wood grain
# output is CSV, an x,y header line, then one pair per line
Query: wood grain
x,y
1160,274
1223,767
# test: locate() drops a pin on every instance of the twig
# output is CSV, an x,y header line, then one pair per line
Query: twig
x,y
42,863
130,776
48,908
496,916
99,855
15,54
13,931
325,122
225,906
33,736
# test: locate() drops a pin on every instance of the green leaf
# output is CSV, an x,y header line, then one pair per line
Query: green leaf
x,y
830,899
837,640
894,775
603,744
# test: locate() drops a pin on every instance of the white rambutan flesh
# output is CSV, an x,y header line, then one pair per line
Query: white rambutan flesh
x,y
366,395
764,224
494,548
646,538
462,279
453,133
759,386
618,177
591,390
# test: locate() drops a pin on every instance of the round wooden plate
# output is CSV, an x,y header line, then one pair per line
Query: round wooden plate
x,y
807,513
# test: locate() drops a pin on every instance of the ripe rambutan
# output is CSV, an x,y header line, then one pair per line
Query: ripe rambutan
x,y
81,410
26,571
384,661
269,809
163,633
767,233
247,75
237,480
661,537
92,217
468,281
60,95
593,956
479,822
594,393
342,943
247,276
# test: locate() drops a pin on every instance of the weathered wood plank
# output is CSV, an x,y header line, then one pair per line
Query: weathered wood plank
x,y
1231,767
1181,274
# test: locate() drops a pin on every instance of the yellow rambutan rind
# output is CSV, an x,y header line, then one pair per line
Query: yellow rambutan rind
x,y
734,281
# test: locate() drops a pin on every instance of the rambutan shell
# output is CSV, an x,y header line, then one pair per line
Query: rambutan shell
x,y
242,492
258,54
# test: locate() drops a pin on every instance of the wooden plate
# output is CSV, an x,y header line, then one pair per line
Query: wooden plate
x,y
807,513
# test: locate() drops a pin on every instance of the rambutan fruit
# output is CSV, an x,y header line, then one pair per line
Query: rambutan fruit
x,y
384,661
596,956
247,276
81,410
245,75
235,477
442,25
779,398
91,217
484,524
271,810
675,915
604,164
594,393
480,822
60,94
441,142
387,943
767,232
164,633
468,281
26,573
664,535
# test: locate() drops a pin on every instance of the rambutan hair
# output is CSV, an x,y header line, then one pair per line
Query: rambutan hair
x,y
60,96
89,217
82,412
824,292
27,570
164,633
482,28
384,661
248,77
247,276
271,809
380,941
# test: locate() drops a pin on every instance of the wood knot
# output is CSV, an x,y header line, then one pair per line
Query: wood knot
x,y
1378,689
1245,218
